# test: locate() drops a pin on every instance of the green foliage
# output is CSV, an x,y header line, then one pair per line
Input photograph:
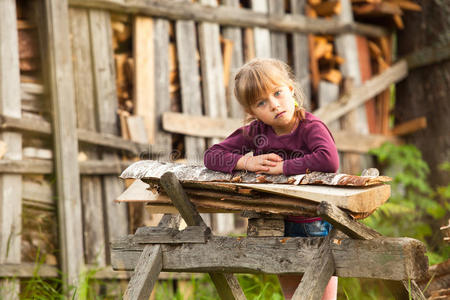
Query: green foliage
x,y
414,206
260,286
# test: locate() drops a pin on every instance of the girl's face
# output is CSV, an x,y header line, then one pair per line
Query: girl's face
x,y
276,109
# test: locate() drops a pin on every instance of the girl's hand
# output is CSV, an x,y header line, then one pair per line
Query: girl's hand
x,y
260,163
276,170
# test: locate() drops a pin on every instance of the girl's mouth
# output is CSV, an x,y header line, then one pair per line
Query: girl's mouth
x,y
279,114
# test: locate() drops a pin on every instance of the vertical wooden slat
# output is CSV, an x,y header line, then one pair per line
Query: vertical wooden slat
x,y
355,120
161,41
235,35
191,99
261,35
213,90
300,51
106,116
278,39
61,88
91,197
10,185
144,97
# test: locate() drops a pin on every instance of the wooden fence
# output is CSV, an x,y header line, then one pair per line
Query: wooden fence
x,y
64,129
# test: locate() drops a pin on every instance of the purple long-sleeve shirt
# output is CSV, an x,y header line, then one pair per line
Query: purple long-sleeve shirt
x,y
309,147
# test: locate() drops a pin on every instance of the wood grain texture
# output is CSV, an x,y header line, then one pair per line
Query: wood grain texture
x,y
191,98
384,258
317,274
91,188
10,185
261,36
227,286
116,219
278,39
224,15
144,81
62,93
145,275
300,50
167,235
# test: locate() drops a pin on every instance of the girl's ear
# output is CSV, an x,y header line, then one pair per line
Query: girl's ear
x,y
291,88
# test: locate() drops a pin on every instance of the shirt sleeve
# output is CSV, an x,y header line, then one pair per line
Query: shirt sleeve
x,y
224,156
323,157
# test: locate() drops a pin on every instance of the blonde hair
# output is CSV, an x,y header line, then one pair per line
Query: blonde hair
x,y
258,77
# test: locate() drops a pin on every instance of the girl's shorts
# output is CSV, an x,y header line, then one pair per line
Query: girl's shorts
x,y
312,229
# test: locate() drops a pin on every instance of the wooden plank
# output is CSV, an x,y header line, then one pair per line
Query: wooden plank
x,y
317,274
42,127
357,230
328,93
383,258
261,35
166,235
191,99
181,201
359,95
10,185
230,16
212,69
161,46
356,200
144,81
278,39
300,50
145,274
66,145
107,104
227,286
136,192
91,188
410,126
234,34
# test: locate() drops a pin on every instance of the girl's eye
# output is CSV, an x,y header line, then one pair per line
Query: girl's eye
x,y
277,93
261,103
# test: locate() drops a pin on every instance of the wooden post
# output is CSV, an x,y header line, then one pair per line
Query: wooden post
x,y
10,184
226,284
61,90
356,230
318,273
278,39
106,115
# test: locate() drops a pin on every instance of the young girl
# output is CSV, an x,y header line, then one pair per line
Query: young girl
x,y
284,139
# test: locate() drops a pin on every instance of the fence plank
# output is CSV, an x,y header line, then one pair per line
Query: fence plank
x,y
106,102
278,39
237,59
191,99
11,184
91,197
261,35
144,96
161,41
66,144
300,51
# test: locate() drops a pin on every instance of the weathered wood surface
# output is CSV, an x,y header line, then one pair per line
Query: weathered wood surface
x,y
61,85
166,235
384,258
10,184
191,98
227,286
106,115
359,231
91,186
301,55
278,39
363,93
317,274
154,169
261,36
265,226
145,274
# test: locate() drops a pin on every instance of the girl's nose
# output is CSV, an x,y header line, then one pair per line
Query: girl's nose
x,y
274,104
